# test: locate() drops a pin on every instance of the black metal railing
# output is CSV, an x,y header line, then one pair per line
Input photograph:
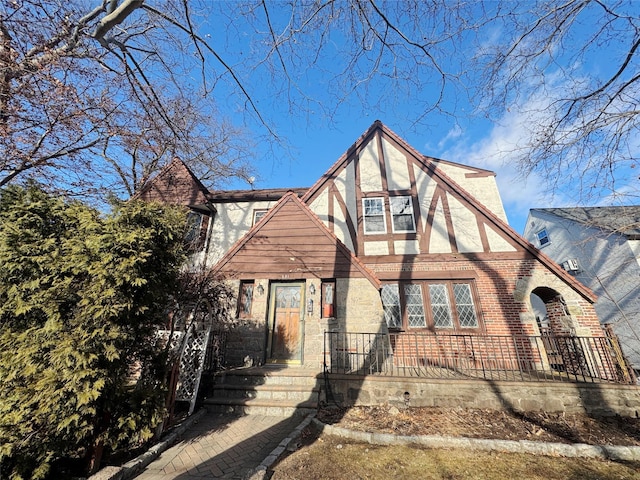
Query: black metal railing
x,y
214,360
490,357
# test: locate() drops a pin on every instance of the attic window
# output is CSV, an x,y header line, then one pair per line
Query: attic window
x,y
543,237
402,214
374,221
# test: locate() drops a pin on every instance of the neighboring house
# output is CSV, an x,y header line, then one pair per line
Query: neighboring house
x,y
387,240
600,247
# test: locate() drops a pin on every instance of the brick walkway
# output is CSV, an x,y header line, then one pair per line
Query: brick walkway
x,y
221,447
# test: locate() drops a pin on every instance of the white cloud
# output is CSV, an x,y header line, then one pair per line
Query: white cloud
x,y
498,151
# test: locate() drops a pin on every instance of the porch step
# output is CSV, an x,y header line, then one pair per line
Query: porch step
x,y
278,391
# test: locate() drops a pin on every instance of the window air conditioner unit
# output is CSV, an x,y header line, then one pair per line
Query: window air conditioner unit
x,y
571,265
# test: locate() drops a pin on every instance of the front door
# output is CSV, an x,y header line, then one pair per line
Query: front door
x,y
286,323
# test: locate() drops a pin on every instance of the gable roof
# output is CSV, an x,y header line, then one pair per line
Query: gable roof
x,y
292,241
624,220
362,140
431,164
176,184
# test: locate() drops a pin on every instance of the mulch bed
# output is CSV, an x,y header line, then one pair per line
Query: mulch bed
x,y
489,424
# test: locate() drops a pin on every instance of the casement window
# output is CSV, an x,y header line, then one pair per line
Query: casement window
x,y
194,224
258,213
543,238
437,304
245,299
374,219
400,208
402,217
193,234
328,298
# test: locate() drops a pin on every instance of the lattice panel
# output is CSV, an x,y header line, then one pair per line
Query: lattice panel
x,y
191,365
162,337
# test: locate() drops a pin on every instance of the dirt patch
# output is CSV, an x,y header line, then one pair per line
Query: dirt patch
x,y
334,458
490,424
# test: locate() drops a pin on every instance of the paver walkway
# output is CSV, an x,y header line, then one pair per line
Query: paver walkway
x,y
221,446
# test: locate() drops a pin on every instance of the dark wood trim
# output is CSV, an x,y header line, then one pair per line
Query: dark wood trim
x,y
232,196
417,213
483,234
428,311
345,212
386,276
330,207
382,162
479,174
447,217
449,257
359,245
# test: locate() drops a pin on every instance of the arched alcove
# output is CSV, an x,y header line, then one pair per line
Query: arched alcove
x,y
555,310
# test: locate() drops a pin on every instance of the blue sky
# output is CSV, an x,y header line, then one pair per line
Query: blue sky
x,y
317,116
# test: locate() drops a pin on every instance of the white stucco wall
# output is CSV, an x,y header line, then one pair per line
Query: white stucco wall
x,y
484,189
230,223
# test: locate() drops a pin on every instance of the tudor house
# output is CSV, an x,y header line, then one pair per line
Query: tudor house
x,y
387,241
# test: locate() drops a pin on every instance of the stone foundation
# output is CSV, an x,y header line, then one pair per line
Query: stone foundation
x,y
593,399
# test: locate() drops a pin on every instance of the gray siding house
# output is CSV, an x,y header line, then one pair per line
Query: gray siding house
x,y
600,247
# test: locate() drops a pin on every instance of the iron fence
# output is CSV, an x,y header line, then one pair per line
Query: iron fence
x,y
490,357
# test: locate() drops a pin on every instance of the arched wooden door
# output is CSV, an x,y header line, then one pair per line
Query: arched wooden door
x,y
286,322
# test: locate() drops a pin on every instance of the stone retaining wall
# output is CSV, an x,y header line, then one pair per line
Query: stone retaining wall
x,y
591,398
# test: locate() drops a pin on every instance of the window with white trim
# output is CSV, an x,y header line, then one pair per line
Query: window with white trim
x,y
373,214
433,304
258,214
543,238
402,217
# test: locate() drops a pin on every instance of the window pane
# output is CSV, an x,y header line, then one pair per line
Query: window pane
x,y
440,306
402,214
414,305
543,237
373,215
257,215
246,299
194,224
374,224
373,206
464,305
391,305
328,298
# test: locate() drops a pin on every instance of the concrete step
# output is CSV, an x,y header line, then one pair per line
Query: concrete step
x,y
299,393
248,406
267,376
265,390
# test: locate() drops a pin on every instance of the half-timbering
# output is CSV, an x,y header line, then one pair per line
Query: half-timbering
x,y
398,245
